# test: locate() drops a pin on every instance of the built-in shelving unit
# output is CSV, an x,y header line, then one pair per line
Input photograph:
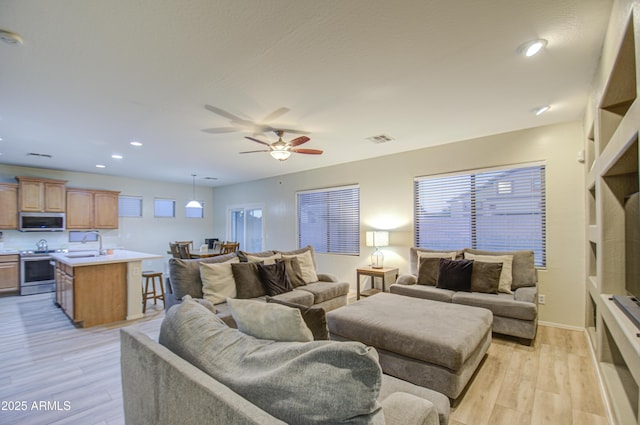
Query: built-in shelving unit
x,y
612,174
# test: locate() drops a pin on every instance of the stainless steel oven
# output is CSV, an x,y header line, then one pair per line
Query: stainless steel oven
x,y
37,273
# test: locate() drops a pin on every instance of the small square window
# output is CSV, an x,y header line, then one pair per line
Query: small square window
x,y
130,206
195,212
164,208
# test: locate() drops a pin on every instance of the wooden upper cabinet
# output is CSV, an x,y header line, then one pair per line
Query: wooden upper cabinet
x,y
92,209
8,206
41,195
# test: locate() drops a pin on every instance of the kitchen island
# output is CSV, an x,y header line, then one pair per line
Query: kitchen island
x,y
97,289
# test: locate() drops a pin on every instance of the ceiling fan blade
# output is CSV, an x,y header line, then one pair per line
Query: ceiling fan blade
x,y
293,131
257,140
276,114
220,130
223,113
263,150
299,140
308,151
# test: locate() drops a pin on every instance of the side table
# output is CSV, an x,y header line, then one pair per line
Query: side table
x,y
373,273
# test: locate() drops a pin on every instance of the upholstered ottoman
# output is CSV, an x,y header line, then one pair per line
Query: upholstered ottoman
x,y
429,343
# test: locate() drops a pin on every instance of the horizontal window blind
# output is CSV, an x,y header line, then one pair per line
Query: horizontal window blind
x,y
164,208
329,220
129,206
501,210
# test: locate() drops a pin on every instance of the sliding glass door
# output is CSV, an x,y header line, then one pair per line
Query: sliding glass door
x,y
245,224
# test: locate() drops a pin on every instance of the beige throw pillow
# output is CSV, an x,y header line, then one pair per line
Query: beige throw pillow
x,y
506,274
306,266
448,255
217,281
269,321
265,260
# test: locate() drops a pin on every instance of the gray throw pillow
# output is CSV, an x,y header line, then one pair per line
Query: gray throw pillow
x,y
485,277
274,278
292,267
326,382
184,275
455,275
428,271
314,317
248,282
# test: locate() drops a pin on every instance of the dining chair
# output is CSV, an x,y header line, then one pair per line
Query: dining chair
x,y
229,247
175,252
184,250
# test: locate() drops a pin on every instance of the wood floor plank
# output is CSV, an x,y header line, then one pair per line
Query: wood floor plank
x,y
45,357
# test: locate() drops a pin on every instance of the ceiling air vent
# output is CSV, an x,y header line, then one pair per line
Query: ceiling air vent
x,y
382,138
40,155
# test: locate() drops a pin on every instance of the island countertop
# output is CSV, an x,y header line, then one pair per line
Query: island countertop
x,y
77,259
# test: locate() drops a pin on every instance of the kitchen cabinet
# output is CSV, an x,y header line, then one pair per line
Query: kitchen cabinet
x,y
93,294
64,288
92,209
8,206
41,195
9,273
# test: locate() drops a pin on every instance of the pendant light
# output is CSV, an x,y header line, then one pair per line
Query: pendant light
x,y
193,203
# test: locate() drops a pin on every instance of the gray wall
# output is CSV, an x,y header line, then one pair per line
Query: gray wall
x,y
386,201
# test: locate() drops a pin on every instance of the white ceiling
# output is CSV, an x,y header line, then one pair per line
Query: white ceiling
x,y
92,75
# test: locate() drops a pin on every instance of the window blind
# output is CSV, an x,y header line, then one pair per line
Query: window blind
x,y
497,210
164,208
329,220
129,206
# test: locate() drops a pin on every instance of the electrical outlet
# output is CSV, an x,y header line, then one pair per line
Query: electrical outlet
x,y
541,299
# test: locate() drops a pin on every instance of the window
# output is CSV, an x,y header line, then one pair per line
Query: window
x,y
164,208
129,206
246,226
329,220
194,212
497,210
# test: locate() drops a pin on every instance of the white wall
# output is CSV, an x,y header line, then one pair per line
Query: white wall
x,y
386,201
146,234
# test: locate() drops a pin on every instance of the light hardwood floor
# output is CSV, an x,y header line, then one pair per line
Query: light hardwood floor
x,y
43,357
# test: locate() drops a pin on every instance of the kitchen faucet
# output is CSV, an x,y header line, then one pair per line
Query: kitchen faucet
x,y
95,232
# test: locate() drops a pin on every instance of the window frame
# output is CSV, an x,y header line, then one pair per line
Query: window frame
x,y
155,212
477,211
332,248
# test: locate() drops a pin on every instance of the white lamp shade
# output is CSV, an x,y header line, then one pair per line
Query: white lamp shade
x,y
377,238
193,204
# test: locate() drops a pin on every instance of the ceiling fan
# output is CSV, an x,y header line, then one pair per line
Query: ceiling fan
x,y
246,124
282,150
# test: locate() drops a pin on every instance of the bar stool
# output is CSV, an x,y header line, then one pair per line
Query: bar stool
x,y
150,277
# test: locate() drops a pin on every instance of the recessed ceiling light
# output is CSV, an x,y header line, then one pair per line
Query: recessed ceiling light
x,y
0,139
532,48
10,37
101,166
135,143
116,156
541,109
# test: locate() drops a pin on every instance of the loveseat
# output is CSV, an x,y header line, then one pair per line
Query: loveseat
x,y
240,379
309,287
514,308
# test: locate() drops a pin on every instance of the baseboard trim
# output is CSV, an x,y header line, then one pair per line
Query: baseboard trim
x,y
562,326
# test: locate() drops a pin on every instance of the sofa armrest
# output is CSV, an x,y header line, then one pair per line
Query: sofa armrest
x,y
407,279
327,277
528,294
408,409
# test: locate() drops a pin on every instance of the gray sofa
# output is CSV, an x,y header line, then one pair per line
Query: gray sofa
x,y
184,279
514,314
240,379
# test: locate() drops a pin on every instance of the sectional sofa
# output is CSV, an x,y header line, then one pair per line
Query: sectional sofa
x,y
312,289
240,379
514,313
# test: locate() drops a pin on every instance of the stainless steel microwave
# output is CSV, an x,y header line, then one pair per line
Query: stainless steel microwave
x,y
42,222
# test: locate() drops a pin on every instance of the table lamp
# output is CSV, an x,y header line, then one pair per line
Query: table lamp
x,y
377,238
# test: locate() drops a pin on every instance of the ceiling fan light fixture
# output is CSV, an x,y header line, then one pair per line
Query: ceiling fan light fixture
x,y
193,203
280,155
